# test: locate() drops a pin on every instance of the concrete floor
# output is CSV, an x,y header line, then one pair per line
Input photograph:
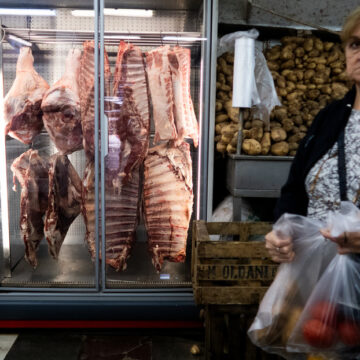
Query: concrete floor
x,y
104,345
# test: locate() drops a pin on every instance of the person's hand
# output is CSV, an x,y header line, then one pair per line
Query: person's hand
x,y
280,247
348,242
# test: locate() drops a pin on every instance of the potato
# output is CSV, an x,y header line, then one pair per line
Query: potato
x,y
280,113
222,95
217,138
218,127
309,74
299,74
225,87
299,52
290,86
229,130
232,112
308,44
328,45
256,133
334,55
281,92
251,147
336,64
257,123
230,149
311,65
313,94
338,90
234,139
289,64
303,128
229,57
272,65
287,125
293,146
221,78
280,148
292,318
265,143
287,53
292,40
218,106
221,147
274,124
281,82
225,138
221,118
297,120
247,125
294,130
229,80
301,87
225,68
295,138
292,153
314,53
278,134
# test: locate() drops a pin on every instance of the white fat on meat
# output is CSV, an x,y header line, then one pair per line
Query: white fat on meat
x,y
22,112
161,91
185,119
61,108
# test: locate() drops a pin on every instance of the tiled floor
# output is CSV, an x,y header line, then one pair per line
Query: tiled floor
x,y
105,345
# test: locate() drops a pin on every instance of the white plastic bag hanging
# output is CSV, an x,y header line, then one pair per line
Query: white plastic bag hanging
x,y
330,322
253,84
283,303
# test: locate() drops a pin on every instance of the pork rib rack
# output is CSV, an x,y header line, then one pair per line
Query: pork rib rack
x,y
64,201
32,173
121,217
87,95
22,112
61,108
168,201
129,123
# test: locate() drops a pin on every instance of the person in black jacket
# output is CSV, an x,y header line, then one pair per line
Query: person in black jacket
x,y
326,168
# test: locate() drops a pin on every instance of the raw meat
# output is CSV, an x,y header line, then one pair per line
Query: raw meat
x,y
64,203
161,91
22,112
121,217
129,122
168,201
61,108
185,119
87,95
32,173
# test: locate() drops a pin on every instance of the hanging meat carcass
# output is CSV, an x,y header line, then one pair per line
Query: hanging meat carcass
x,y
64,201
121,217
168,201
87,95
185,119
129,120
22,112
161,91
61,108
32,173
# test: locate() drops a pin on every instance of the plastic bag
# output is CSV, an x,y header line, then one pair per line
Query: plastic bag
x,y
330,322
264,96
282,304
223,213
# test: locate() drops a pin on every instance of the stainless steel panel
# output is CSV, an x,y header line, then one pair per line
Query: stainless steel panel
x,y
256,176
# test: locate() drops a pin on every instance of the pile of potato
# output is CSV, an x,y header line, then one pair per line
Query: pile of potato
x,y
308,74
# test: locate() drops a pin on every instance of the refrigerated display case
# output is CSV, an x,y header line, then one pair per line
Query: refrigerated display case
x,y
59,273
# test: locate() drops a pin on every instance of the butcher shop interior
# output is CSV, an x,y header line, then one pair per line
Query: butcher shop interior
x,y
139,172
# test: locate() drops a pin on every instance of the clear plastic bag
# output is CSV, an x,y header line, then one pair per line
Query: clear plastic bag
x,y
330,322
282,304
264,96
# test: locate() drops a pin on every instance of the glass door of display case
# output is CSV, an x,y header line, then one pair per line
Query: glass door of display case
x,y
102,138
151,122
47,87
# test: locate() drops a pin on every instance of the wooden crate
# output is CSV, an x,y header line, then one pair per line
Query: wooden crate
x,y
230,272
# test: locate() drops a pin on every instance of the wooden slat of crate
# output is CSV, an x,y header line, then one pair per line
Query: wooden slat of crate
x,y
225,295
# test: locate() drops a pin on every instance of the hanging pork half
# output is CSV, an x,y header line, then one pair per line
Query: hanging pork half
x,y
61,108
64,201
168,201
185,119
161,91
87,95
121,216
32,173
129,122
22,112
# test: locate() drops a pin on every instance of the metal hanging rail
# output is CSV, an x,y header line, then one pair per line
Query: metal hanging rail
x,y
48,36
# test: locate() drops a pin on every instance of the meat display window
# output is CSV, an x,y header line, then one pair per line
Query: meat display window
x,y
137,182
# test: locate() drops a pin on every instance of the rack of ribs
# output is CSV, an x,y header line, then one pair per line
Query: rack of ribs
x,y
87,95
129,123
121,216
32,173
61,108
22,112
64,201
168,201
